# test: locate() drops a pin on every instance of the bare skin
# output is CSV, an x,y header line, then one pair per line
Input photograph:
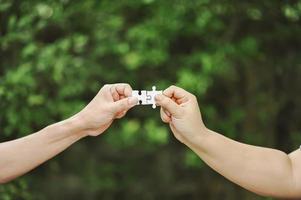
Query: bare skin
x,y
22,155
264,171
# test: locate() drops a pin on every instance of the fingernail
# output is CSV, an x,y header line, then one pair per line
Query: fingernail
x,y
132,101
158,97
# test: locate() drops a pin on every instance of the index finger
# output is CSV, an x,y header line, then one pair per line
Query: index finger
x,y
176,92
123,89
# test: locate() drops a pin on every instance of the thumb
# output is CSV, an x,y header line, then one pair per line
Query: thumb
x,y
124,104
167,103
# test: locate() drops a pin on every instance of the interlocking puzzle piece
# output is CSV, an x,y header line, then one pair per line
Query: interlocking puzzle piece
x,y
146,97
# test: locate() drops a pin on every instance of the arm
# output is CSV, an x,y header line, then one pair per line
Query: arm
x,y
264,171
22,155
261,170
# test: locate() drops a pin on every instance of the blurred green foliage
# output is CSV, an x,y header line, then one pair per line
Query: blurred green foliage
x,y
241,59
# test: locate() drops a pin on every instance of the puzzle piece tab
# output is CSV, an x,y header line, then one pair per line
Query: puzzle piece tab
x,y
146,97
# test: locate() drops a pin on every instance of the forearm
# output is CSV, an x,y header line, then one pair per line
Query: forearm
x,y
22,155
264,171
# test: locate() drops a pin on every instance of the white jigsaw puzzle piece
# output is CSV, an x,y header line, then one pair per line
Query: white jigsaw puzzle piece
x,y
141,95
146,97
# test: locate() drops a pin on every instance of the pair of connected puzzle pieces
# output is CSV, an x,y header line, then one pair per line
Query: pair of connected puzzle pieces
x,y
146,97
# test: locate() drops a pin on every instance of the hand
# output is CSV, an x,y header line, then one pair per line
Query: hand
x,y
180,109
111,102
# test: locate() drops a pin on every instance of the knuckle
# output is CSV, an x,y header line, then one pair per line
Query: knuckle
x,y
164,118
173,87
119,84
169,88
107,86
176,87
111,89
193,97
128,86
124,84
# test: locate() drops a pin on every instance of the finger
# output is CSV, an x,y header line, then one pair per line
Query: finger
x,y
178,94
124,104
165,118
123,89
114,94
172,107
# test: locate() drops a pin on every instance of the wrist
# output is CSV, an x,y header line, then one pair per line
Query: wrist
x,y
69,130
199,138
76,126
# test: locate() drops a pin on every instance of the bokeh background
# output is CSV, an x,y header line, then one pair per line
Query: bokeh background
x,y
242,59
